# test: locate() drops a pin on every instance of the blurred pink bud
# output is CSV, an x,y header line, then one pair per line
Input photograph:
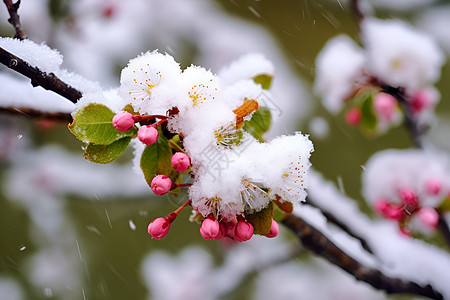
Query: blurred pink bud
x,y
384,105
123,121
408,197
244,231
433,186
158,228
428,216
353,116
274,230
161,184
210,228
148,134
388,211
180,162
422,99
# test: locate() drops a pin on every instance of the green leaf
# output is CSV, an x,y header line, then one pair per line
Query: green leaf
x,y
259,123
261,220
104,154
156,159
369,120
93,124
445,205
265,80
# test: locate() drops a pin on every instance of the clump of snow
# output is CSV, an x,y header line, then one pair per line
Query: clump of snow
x,y
401,55
246,67
339,66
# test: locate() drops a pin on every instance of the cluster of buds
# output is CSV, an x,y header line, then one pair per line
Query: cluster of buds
x,y
212,229
147,134
409,208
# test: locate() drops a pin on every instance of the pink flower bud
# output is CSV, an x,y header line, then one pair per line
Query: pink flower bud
x,y
433,186
384,105
180,162
274,230
388,211
123,121
161,184
422,99
244,231
353,116
428,216
148,134
210,228
158,228
408,197
230,229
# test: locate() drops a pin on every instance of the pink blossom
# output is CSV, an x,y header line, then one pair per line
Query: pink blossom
x,y
274,230
161,184
123,121
384,105
244,231
433,186
353,116
148,134
158,228
408,197
210,228
428,216
422,99
180,162
388,211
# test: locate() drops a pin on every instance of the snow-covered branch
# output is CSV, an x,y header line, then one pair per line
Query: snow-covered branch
x,y
317,242
39,78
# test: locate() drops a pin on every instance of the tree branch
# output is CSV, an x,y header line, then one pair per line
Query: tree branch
x,y
38,78
357,12
318,243
410,121
443,227
14,19
331,218
37,114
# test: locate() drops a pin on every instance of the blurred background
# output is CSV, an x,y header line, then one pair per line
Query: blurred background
x,y
71,229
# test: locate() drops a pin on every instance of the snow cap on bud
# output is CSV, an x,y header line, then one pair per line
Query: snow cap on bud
x,y
161,184
148,134
433,186
384,105
210,229
158,228
123,121
244,231
408,197
180,162
353,116
274,230
428,217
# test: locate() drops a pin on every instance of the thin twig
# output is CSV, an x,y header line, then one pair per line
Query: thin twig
x,y
37,114
14,19
410,122
39,78
318,243
331,218
356,9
